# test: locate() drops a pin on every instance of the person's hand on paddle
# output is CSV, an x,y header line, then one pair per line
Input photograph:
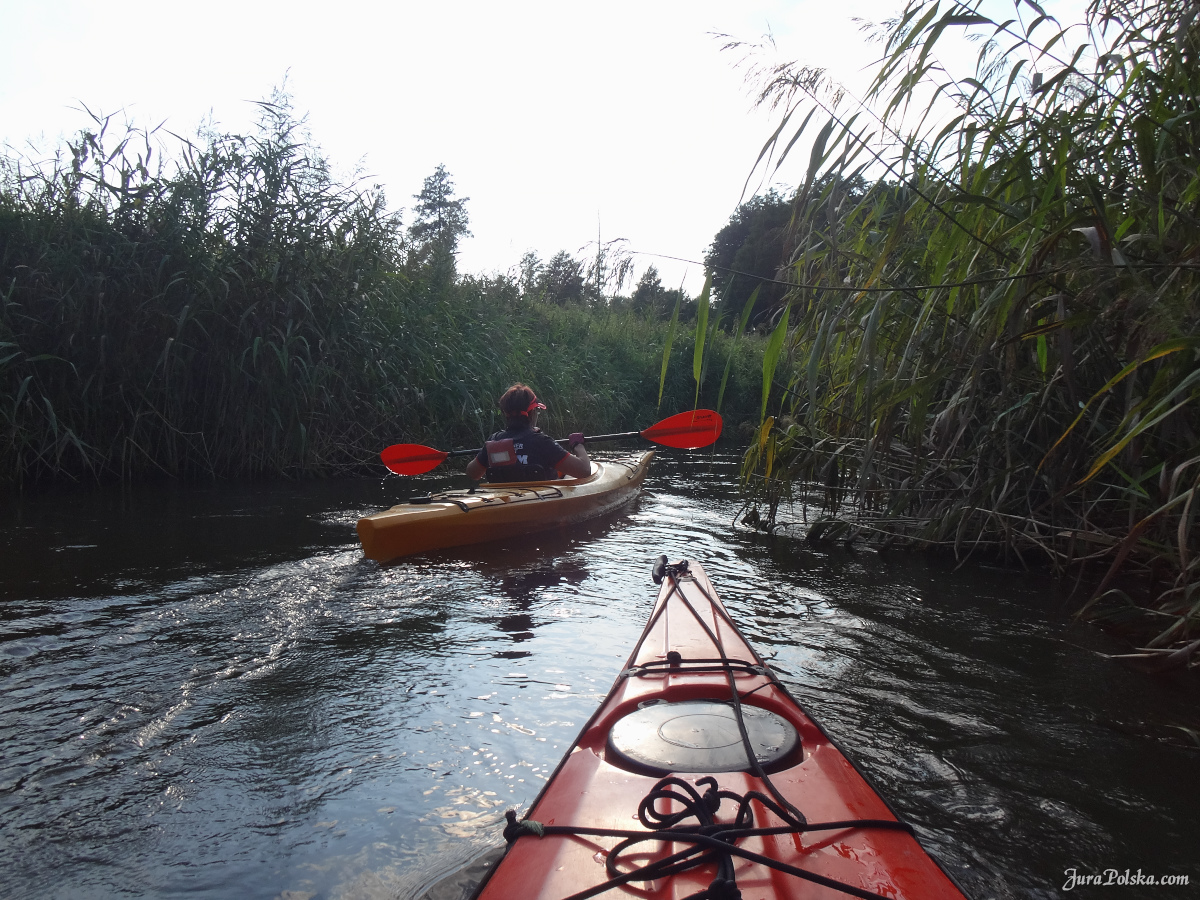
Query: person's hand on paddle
x,y
578,464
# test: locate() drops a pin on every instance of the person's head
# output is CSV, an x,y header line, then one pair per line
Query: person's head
x,y
520,405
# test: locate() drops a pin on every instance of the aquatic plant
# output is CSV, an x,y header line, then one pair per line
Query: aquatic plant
x,y
994,333
224,306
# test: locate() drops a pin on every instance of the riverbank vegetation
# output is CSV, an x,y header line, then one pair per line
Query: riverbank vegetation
x,y
235,309
992,304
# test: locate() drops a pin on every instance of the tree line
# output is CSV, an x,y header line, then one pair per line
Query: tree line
x,y
225,306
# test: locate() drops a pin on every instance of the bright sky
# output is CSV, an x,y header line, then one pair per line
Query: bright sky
x,y
556,118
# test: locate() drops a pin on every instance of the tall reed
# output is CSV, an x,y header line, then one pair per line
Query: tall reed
x,y
236,310
995,342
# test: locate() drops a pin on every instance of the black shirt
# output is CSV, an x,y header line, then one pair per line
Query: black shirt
x,y
537,456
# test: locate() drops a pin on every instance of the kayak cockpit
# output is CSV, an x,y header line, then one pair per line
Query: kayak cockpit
x,y
566,479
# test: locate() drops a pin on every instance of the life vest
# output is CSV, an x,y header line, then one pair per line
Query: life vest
x,y
505,462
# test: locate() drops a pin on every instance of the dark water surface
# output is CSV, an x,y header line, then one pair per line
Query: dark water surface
x,y
208,692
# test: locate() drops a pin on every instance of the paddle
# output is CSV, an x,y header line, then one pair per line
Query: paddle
x,y
683,431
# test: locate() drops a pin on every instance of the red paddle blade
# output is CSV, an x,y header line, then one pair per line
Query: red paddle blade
x,y
412,459
686,430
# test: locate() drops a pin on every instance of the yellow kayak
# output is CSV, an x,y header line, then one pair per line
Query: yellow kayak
x,y
494,511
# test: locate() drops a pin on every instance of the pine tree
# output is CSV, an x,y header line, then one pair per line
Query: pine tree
x,y
441,221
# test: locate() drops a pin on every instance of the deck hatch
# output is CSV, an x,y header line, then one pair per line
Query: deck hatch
x,y
698,736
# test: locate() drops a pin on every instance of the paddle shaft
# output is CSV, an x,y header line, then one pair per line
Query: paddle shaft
x,y
683,431
590,440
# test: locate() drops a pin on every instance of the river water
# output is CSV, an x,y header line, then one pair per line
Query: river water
x,y
208,692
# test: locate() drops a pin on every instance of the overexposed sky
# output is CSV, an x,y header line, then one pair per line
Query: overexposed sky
x,y
555,118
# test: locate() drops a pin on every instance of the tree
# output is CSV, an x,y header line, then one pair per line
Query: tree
x,y
651,299
648,292
754,245
530,271
561,281
441,221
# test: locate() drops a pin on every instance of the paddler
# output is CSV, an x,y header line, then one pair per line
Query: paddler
x,y
521,452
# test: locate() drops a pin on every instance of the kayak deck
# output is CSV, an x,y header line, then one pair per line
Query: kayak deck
x,y
494,511
800,821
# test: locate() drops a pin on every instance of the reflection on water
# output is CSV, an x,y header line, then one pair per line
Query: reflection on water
x,y
208,691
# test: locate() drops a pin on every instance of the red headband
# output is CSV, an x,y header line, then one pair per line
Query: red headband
x,y
515,395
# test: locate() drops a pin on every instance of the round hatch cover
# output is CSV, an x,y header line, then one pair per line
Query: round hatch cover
x,y
699,736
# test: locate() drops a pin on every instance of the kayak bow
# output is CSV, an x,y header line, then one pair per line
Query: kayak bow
x,y
737,791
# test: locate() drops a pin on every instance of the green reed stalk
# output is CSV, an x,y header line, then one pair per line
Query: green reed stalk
x,y
235,310
996,336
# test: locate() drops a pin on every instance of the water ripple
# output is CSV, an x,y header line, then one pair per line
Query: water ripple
x,y
218,714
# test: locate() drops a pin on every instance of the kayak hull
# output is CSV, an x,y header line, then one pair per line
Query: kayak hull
x,y
597,787
496,511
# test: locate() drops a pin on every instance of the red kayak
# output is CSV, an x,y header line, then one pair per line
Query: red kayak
x,y
700,777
